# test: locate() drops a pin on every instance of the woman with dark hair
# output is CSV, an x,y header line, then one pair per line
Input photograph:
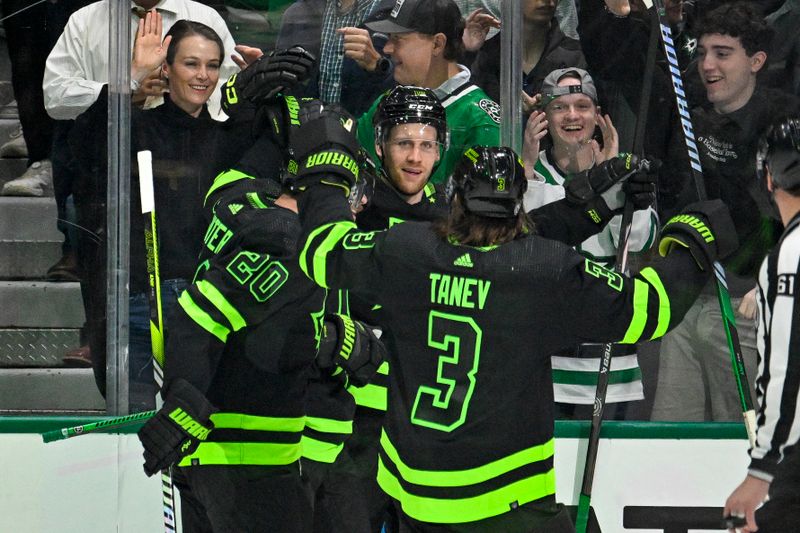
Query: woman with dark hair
x,y
189,149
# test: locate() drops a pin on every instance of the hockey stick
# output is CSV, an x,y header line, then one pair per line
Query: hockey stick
x,y
145,159
620,265
110,423
728,318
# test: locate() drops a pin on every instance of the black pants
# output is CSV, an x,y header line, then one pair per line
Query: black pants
x,y
28,47
782,512
336,496
242,498
543,516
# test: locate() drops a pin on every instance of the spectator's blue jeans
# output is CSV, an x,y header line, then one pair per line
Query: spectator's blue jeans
x,y
142,385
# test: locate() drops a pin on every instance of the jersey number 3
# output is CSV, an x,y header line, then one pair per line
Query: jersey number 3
x,y
443,406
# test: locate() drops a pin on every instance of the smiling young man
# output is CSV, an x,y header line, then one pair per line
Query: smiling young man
x,y
695,379
569,116
424,46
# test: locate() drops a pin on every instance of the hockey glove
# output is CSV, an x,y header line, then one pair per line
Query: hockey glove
x,y
265,78
177,428
705,228
350,347
601,179
323,148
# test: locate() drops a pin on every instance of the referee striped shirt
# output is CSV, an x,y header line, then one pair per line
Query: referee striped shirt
x,y
778,383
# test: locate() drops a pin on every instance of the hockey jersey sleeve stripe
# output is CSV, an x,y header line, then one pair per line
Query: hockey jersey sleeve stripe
x,y
328,425
257,423
460,510
320,450
222,304
243,453
370,395
639,318
202,318
225,178
316,268
664,313
471,476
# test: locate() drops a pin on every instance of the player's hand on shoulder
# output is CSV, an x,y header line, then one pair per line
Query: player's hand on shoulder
x,y
323,148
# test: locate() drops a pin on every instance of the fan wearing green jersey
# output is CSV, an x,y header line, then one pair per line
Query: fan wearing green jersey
x,y
424,46
468,302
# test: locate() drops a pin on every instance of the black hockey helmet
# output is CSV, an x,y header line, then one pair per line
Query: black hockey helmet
x,y
406,104
490,181
779,152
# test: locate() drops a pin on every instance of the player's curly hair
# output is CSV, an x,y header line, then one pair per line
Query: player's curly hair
x,y
471,229
741,20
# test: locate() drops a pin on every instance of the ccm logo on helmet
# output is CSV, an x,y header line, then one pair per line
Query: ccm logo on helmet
x,y
421,107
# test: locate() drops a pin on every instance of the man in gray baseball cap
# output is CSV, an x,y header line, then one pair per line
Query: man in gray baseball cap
x,y
551,89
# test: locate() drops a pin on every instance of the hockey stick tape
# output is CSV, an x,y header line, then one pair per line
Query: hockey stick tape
x,y
145,159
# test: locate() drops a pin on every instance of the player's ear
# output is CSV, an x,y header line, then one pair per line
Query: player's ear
x,y
378,150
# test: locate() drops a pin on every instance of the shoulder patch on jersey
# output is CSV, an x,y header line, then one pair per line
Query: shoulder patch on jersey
x,y
491,108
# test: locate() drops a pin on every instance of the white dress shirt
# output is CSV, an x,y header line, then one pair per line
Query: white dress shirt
x,y
77,67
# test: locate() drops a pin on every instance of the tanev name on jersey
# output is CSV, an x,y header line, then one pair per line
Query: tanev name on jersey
x,y
459,291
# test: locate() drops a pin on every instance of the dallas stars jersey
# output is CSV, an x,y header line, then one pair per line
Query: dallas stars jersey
x,y
472,118
575,378
468,433
247,330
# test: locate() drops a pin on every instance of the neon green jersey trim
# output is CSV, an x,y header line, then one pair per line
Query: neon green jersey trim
x,y
224,178
335,235
236,320
453,511
243,453
664,309
639,318
202,318
372,396
319,450
472,476
257,423
329,425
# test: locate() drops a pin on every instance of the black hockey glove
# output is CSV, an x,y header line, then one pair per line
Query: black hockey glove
x,y
323,148
351,348
705,228
605,180
265,78
177,428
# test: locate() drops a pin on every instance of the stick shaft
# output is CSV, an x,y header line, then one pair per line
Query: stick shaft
x,y
110,423
728,317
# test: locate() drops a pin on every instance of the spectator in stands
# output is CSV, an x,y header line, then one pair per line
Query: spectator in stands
x,y
424,44
783,68
545,48
695,379
189,149
301,25
76,70
569,117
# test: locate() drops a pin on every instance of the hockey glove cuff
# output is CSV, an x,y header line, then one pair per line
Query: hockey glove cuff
x,y
265,78
323,148
352,348
177,428
586,185
705,228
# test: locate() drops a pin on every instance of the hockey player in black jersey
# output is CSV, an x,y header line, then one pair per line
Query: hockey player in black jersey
x,y
468,436
774,469
239,357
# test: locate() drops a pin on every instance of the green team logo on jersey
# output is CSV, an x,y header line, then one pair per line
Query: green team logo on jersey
x,y
491,108
599,271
